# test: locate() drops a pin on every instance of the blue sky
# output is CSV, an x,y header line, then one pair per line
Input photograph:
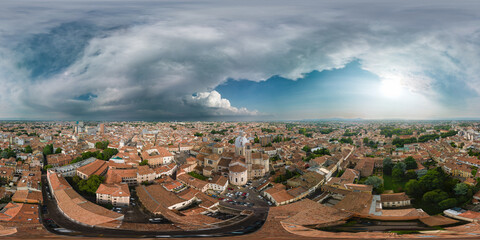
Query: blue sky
x,y
239,60
348,92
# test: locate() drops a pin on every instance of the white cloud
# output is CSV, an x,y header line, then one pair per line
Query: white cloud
x,y
220,106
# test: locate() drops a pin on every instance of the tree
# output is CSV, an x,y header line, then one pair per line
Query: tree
x,y
108,153
102,145
47,167
413,188
421,173
48,149
90,185
411,174
143,163
306,148
461,189
410,163
28,149
387,166
76,179
435,196
401,165
397,174
197,134
58,150
375,182
346,140
448,203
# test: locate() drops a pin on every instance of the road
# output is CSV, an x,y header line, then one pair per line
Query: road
x,y
245,226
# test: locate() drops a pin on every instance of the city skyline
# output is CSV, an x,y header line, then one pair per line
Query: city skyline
x,y
244,61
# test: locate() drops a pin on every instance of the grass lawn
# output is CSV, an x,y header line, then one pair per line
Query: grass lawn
x,y
390,184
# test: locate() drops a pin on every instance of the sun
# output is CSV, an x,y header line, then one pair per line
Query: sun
x,y
391,88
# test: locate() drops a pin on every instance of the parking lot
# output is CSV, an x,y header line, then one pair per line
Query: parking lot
x,y
246,195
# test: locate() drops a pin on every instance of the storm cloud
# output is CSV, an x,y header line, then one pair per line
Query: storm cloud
x,y
163,59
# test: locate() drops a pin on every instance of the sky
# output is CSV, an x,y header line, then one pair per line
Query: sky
x,y
239,60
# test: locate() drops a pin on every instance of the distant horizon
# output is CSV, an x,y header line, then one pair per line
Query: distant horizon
x,y
301,120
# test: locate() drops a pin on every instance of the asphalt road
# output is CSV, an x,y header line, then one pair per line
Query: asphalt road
x,y
68,227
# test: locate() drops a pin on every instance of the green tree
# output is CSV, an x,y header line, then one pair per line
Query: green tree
x,y
306,148
143,163
346,140
397,174
376,183
410,163
47,167
58,150
108,153
102,145
435,196
76,179
411,174
48,149
401,165
421,173
8,153
90,185
28,149
413,188
461,189
387,166
448,203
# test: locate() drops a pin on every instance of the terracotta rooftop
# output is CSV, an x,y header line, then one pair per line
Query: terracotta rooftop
x,y
116,190
394,197
96,167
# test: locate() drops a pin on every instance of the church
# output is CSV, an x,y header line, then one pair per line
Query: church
x,y
242,164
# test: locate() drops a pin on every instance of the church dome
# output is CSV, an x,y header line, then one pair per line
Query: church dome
x,y
240,141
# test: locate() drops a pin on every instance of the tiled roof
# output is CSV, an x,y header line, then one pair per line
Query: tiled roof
x,y
394,197
115,190
96,167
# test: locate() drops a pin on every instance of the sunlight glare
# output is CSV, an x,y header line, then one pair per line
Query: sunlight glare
x,y
391,88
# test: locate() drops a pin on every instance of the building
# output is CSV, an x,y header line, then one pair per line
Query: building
x,y
145,174
115,194
77,208
27,196
393,200
20,213
237,172
101,128
257,164
97,167
157,156
70,170
218,184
